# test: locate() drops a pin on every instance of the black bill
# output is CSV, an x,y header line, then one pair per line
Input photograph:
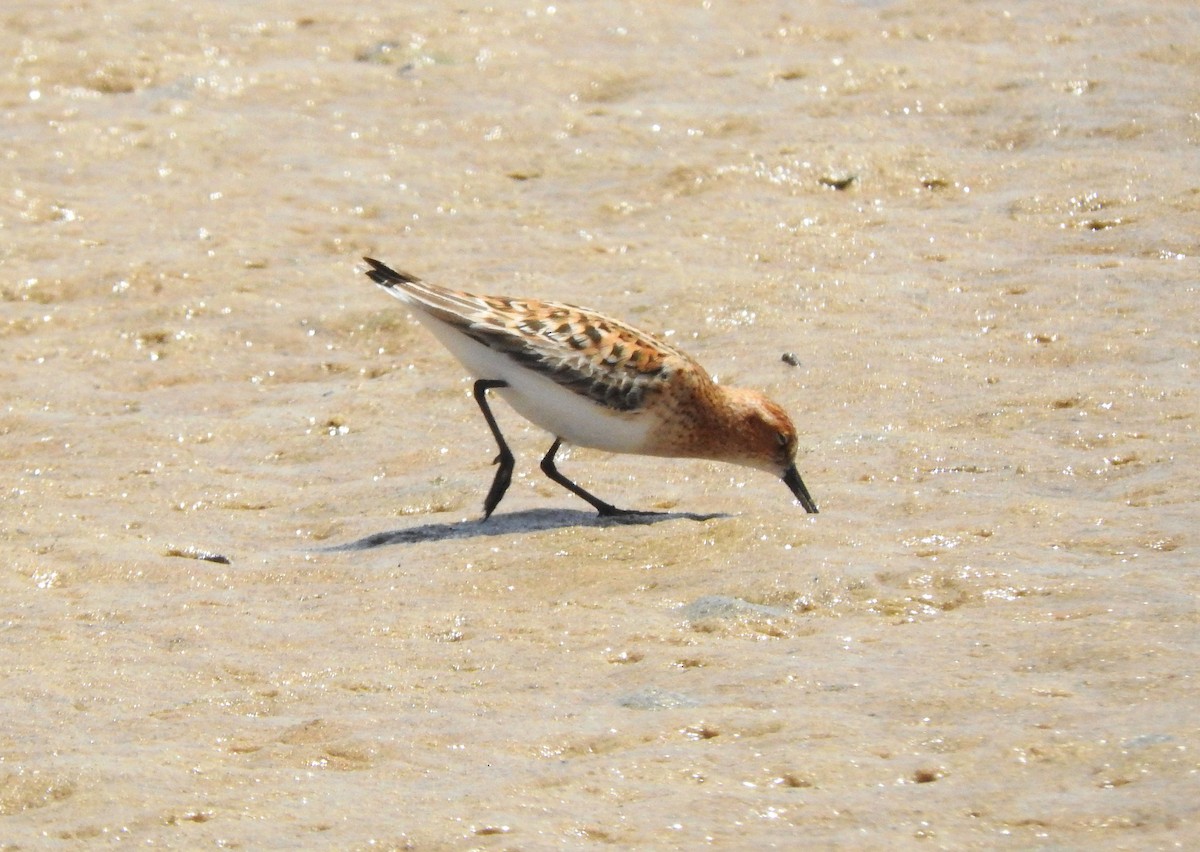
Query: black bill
x,y
793,481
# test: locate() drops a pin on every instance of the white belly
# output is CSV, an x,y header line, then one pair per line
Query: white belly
x,y
563,413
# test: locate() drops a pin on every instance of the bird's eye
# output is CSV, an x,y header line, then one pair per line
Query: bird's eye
x,y
782,438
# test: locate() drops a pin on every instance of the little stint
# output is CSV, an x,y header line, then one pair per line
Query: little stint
x,y
593,381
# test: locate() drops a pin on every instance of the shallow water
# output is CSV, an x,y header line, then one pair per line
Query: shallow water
x,y
246,598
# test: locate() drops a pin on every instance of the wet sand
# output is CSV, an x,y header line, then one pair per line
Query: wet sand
x,y
247,601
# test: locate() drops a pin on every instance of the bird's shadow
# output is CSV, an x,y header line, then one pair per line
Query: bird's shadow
x,y
531,520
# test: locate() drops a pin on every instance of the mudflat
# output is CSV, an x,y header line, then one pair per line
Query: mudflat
x,y
247,599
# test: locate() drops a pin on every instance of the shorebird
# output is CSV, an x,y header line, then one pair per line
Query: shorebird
x,y
593,381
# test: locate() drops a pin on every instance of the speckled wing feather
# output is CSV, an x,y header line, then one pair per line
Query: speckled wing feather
x,y
593,355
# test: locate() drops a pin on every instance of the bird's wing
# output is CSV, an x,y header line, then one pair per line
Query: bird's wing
x,y
593,355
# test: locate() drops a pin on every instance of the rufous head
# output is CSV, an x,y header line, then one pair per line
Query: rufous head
x,y
766,440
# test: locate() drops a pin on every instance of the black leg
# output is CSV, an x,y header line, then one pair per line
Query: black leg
x,y
548,468
505,458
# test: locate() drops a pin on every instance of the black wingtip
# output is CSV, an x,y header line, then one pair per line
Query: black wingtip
x,y
385,276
